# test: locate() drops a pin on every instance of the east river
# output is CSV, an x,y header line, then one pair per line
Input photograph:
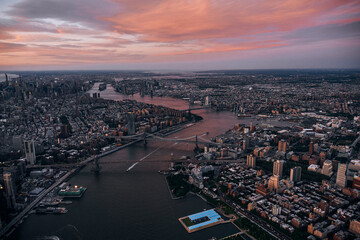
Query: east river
x,y
135,204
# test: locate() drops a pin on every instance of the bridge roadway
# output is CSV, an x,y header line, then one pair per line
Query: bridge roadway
x,y
196,108
152,137
73,165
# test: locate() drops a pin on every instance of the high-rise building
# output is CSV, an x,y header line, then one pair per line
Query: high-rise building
x,y
276,210
30,155
341,175
273,183
282,146
311,148
64,130
356,182
327,168
245,143
251,161
131,124
295,174
278,168
207,101
10,190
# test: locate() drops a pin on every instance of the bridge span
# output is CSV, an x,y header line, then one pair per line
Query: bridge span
x,y
137,138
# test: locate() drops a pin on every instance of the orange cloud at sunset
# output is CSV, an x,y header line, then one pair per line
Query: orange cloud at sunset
x,y
174,20
48,33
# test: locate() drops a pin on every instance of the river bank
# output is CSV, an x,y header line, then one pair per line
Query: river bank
x,y
134,204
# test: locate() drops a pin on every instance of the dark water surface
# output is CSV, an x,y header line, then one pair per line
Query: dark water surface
x,y
134,204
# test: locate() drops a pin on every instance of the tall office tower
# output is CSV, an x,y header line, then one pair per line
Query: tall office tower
x,y
341,175
207,101
278,168
251,161
327,168
10,190
131,124
282,146
295,174
7,84
30,156
245,143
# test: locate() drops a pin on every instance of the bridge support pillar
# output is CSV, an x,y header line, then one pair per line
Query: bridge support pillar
x,y
144,139
96,168
196,149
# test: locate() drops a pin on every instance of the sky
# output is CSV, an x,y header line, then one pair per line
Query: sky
x,y
178,34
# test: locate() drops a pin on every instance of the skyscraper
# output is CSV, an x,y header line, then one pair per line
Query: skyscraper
x,y
341,175
278,168
245,143
131,124
251,160
295,174
282,146
207,101
10,190
30,156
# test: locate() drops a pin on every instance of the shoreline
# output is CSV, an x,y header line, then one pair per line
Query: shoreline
x,y
14,222
9,228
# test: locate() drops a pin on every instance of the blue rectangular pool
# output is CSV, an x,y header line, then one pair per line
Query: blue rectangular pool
x,y
211,214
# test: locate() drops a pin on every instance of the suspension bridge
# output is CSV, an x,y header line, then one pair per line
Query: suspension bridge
x,y
195,139
145,137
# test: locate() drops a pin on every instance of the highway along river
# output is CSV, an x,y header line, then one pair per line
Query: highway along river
x,y
135,204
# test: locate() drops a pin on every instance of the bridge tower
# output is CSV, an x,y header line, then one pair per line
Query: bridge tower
x,y
144,139
196,149
96,168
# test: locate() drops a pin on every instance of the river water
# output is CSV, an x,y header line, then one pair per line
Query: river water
x,y
135,204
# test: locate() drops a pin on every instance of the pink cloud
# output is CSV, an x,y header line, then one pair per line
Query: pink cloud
x,y
121,31
173,20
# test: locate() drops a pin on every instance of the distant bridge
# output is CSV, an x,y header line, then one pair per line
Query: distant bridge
x,y
97,163
148,136
196,108
143,137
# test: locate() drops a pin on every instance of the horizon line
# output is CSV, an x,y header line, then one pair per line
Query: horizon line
x,y
179,70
